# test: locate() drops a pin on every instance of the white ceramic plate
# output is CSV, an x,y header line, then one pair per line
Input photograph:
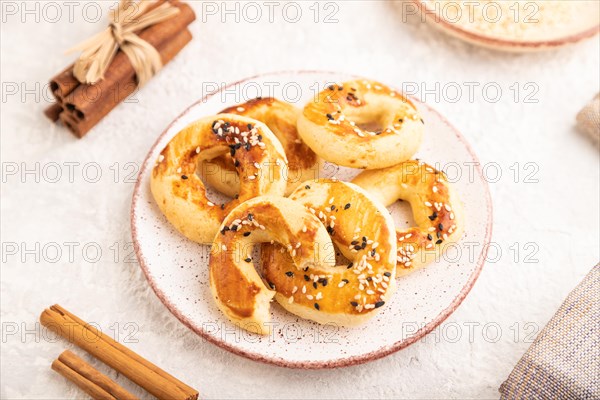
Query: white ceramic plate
x,y
535,25
177,269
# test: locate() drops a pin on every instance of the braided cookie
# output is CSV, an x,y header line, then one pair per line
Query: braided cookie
x,y
280,117
361,124
436,208
353,292
181,195
236,286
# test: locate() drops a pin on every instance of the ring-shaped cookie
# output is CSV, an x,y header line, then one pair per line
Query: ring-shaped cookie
x,y
436,208
361,124
280,117
237,288
364,233
181,194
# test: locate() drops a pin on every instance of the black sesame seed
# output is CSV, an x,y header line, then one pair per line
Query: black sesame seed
x,y
234,228
363,245
340,88
354,304
433,216
330,230
259,137
289,273
184,177
347,206
345,280
315,285
271,285
349,265
307,187
439,241
232,151
441,227
250,127
250,216
247,146
306,278
379,304
317,306
222,206
248,259
357,247
423,122
329,117
247,233
354,242
237,196
369,278
236,163
332,208
364,238
388,274
237,146
429,236
324,282
373,252
400,120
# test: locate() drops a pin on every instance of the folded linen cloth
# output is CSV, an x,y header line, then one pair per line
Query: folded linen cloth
x,y
564,360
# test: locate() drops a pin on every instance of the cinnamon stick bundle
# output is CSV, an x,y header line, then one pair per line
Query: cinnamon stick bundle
x,y
139,370
81,106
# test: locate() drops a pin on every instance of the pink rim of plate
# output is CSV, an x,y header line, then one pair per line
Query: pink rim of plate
x,y
355,360
505,44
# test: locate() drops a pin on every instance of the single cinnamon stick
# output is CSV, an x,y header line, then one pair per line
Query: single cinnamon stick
x,y
53,111
141,371
87,377
64,83
107,101
95,391
93,102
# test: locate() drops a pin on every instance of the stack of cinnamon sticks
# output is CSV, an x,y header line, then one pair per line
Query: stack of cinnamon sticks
x,y
139,370
80,106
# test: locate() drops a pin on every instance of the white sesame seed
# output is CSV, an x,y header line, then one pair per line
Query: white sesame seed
x,y
319,296
295,289
291,299
240,109
309,296
223,247
304,289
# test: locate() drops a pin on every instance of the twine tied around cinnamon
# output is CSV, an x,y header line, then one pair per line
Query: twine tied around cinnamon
x,y
129,17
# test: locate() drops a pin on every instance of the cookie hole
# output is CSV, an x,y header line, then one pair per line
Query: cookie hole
x,y
204,171
371,126
402,215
